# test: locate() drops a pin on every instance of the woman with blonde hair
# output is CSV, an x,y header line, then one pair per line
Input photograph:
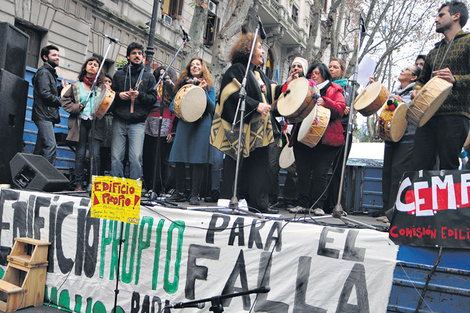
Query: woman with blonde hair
x,y
191,144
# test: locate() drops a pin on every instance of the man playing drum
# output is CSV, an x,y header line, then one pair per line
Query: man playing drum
x,y
298,69
446,131
398,155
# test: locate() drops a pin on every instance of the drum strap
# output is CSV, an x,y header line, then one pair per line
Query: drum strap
x,y
444,57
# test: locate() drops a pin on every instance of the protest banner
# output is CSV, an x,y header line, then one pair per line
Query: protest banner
x,y
183,255
432,209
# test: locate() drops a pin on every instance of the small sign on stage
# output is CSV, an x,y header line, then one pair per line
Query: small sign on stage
x,y
116,198
432,209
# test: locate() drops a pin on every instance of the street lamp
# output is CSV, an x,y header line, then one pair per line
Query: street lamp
x,y
150,50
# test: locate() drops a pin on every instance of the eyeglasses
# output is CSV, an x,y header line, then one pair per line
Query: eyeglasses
x,y
311,75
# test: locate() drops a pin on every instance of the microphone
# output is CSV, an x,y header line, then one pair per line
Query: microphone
x,y
115,40
262,33
185,34
182,305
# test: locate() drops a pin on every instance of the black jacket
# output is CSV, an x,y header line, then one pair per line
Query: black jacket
x,y
147,94
46,95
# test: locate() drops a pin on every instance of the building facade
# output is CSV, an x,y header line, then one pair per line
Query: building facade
x,y
78,28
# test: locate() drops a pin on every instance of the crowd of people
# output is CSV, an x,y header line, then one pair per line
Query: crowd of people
x,y
150,132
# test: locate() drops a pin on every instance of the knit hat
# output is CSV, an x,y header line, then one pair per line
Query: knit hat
x,y
303,62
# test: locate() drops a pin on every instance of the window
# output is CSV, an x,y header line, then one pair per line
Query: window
x,y
295,13
34,48
211,29
173,8
270,65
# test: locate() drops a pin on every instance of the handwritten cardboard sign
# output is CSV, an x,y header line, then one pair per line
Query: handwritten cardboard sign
x,y
116,198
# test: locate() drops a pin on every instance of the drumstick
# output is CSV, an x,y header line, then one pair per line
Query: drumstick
x,y
133,99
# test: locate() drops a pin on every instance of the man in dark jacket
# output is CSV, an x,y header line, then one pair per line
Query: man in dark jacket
x,y
445,133
135,95
46,103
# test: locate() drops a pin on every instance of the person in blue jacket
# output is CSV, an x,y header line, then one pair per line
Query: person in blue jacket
x,y
191,145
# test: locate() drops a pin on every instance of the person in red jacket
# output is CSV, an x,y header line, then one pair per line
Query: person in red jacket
x,y
313,163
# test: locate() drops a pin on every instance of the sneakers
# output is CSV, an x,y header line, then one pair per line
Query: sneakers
x,y
318,212
298,209
213,196
193,199
178,196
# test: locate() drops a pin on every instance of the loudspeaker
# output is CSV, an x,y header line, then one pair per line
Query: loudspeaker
x,y
34,172
13,98
13,49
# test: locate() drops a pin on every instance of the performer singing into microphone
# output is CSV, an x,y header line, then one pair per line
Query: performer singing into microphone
x,y
192,139
81,116
258,125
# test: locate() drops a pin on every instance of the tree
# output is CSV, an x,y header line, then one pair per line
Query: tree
x,y
224,38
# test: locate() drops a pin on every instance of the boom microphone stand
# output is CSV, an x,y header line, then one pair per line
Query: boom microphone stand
x,y
338,209
216,301
154,194
241,107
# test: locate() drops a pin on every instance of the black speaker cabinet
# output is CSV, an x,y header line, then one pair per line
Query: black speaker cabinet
x,y
13,98
34,172
13,49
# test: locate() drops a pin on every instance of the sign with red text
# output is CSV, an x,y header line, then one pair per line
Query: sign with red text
x,y
116,198
432,209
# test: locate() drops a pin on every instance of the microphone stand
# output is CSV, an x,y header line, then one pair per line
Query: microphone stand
x,y
94,109
338,209
154,194
241,107
216,301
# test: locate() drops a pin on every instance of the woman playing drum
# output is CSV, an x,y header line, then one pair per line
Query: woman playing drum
x,y
398,155
191,143
313,163
81,116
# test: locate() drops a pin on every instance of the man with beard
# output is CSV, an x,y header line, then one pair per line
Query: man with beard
x,y
445,133
135,94
46,103
298,69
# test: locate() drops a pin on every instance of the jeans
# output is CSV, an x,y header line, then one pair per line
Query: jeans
x,y
216,168
80,154
134,134
45,142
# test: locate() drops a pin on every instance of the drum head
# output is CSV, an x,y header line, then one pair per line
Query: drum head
x,y
367,96
399,122
306,123
296,93
193,103
314,126
435,93
65,89
286,158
